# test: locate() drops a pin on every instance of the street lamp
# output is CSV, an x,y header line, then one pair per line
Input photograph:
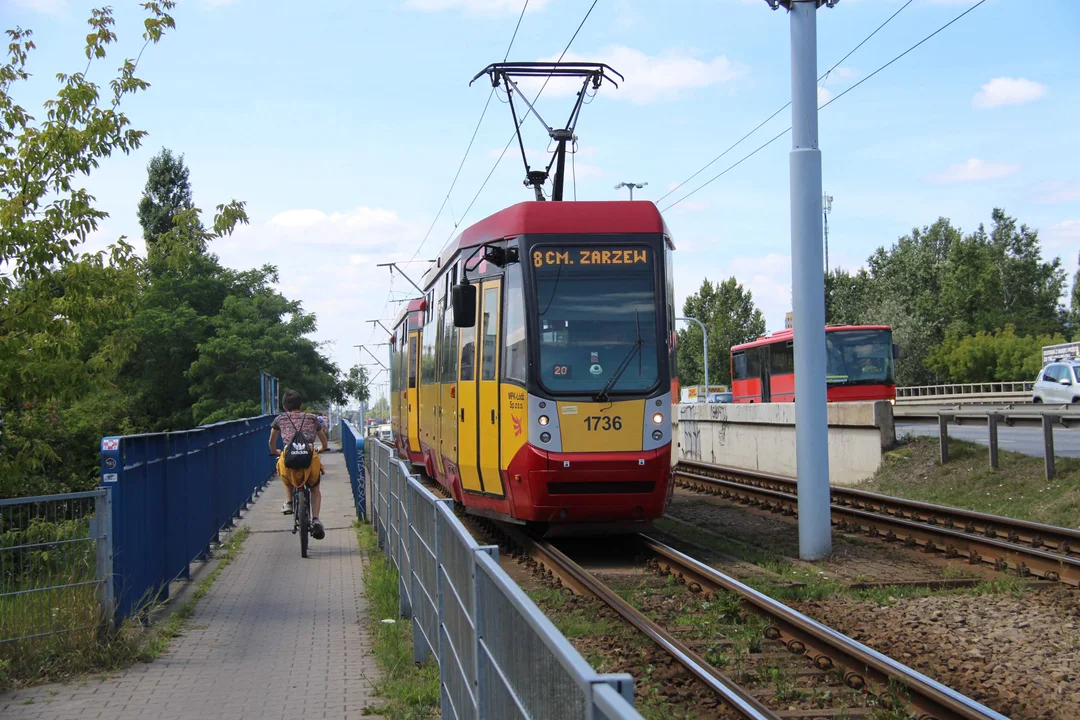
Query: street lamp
x,y
705,342
630,186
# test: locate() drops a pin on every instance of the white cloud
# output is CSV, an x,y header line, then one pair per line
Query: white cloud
x,y
342,228
1052,193
1065,234
974,170
823,96
45,7
479,7
1008,91
649,78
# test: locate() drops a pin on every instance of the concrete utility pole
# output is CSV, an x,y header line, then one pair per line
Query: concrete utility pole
x,y
808,285
705,342
827,205
630,186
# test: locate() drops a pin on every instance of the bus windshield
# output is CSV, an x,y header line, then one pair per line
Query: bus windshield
x,y
858,357
596,307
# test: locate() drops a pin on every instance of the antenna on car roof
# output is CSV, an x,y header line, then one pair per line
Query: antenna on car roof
x,y
503,74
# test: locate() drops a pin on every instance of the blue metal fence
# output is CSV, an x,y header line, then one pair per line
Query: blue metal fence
x,y
172,493
352,446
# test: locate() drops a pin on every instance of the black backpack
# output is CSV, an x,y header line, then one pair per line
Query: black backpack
x,y
299,452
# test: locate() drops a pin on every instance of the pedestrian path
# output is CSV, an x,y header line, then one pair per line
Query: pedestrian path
x,y
276,637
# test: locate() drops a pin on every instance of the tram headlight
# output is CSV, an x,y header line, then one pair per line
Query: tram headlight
x,y
658,418
657,435
545,437
543,420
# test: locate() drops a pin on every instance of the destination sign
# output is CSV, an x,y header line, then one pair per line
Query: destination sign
x,y
588,256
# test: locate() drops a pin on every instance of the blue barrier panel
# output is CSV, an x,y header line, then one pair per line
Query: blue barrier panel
x,y
172,494
352,446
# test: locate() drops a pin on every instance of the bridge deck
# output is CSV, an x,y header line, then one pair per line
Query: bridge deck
x,y
276,637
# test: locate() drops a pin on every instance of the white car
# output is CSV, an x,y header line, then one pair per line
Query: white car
x,y
1058,383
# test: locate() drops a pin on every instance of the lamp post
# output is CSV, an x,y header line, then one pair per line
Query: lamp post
x,y
705,343
630,186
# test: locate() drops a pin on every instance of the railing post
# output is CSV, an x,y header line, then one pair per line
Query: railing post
x,y
943,435
104,546
1048,444
992,424
478,609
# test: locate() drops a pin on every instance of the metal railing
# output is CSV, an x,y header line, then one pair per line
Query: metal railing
x,y
498,654
55,562
172,494
1030,416
1014,392
352,447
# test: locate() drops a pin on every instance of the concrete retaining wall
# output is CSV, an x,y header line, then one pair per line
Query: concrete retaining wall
x,y
762,437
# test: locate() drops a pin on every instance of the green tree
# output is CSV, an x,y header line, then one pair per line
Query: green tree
x,y
381,408
167,192
58,359
728,312
1002,355
355,385
1074,311
259,330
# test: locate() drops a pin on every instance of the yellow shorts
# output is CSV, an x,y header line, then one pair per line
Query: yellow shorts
x,y
298,478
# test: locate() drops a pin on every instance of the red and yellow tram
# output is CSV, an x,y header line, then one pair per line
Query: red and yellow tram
x,y
534,378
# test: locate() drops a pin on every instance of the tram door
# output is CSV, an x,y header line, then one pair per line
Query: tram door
x,y
468,429
488,386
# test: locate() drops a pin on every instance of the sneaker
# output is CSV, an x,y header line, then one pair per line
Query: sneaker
x,y
286,509
317,530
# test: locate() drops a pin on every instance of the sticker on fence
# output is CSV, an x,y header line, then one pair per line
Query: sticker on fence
x,y
110,443
109,477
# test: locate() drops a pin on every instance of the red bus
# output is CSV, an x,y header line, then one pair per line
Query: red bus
x,y
861,365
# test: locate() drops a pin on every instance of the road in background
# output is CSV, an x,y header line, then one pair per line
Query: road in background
x,y
1028,441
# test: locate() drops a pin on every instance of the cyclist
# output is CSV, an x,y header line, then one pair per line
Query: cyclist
x,y
286,426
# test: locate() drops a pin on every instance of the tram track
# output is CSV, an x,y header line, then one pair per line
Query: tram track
x,y
825,653
1025,548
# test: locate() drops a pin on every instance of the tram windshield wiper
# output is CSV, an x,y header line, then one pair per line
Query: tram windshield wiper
x,y
602,396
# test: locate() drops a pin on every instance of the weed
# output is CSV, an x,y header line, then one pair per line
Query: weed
x,y
409,690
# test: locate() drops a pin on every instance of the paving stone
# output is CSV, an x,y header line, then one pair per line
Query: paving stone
x,y
277,636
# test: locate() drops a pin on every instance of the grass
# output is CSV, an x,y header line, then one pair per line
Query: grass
x,y
1017,489
409,691
91,650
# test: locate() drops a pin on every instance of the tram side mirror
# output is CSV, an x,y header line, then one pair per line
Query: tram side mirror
x,y
463,299
895,351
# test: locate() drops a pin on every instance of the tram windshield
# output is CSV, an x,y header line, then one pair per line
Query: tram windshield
x,y
596,308
859,357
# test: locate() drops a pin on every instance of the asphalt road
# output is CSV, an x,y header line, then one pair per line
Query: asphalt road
x,y
1028,441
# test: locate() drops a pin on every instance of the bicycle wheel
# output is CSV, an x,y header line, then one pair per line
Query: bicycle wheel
x,y
302,513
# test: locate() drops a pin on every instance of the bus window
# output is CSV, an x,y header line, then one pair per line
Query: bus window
x,y
738,362
781,359
753,363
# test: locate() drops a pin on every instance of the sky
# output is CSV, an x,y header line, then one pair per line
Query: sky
x,y
342,125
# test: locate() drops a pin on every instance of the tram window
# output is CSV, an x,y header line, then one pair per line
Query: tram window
x,y
739,363
412,362
515,356
781,359
427,359
449,347
491,332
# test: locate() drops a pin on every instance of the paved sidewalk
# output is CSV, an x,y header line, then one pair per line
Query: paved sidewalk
x,y
276,638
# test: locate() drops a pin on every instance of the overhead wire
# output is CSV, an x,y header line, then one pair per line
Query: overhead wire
x,y
468,149
522,121
786,105
822,107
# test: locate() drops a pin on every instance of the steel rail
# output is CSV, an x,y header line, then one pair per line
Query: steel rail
x,y
1038,535
828,648
1025,560
580,580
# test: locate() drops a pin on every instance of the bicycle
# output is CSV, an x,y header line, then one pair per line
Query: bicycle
x,y
301,512
301,498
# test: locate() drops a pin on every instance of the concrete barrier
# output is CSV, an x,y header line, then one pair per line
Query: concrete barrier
x,y
762,437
